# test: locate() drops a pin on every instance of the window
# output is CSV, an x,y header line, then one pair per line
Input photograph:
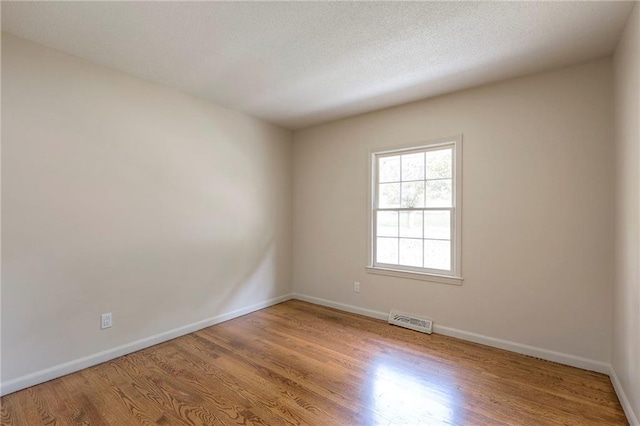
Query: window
x,y
415,215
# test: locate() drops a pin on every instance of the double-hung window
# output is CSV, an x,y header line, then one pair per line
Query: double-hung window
x,y
415,216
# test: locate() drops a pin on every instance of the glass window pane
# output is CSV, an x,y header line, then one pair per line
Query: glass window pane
x,y
387,224
413,166
387,250
411,224
437,224
439,163
412,194
439,193
389,169
411,252
437,254
389,195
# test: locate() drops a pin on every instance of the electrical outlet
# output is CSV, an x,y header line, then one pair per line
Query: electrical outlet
x,y
106,321
356,287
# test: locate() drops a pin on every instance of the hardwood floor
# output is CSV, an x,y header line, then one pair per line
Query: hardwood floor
x,y
298,363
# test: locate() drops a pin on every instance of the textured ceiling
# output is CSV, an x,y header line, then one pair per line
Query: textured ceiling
x,y
302,63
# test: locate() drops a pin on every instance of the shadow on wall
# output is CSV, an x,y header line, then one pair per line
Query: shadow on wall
x,y
157,302
200,280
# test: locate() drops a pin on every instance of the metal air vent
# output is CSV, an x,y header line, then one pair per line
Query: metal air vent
x,y
412,322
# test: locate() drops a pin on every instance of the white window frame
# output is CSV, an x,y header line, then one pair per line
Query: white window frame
x,y
425,274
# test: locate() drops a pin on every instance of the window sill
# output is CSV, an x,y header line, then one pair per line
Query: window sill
x,y
443,279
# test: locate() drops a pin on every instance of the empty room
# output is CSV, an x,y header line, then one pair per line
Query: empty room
x,y
320,213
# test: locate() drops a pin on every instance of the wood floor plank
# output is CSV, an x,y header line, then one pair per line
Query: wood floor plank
x,y
290,382
256,407
301,364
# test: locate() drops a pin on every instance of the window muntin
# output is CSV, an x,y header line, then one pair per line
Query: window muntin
x,y
414,209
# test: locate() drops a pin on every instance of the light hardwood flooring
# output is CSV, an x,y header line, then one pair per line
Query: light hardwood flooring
x,y
298,363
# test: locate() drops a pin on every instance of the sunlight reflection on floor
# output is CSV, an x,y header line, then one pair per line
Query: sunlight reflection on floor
x,y
408,396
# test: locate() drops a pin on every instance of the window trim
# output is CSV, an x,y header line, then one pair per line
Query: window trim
x,y
419,273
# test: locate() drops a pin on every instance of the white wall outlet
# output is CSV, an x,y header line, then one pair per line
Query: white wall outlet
x,y
106,321
356,287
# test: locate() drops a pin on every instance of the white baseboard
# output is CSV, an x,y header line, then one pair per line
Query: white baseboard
x,y
109,354
546,354
562,358
341,306
624,401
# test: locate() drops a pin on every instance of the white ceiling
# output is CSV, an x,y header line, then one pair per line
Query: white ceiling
x,y
301,63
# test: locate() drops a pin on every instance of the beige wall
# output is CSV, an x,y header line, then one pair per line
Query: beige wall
x,y
128,197
626,299
537,210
